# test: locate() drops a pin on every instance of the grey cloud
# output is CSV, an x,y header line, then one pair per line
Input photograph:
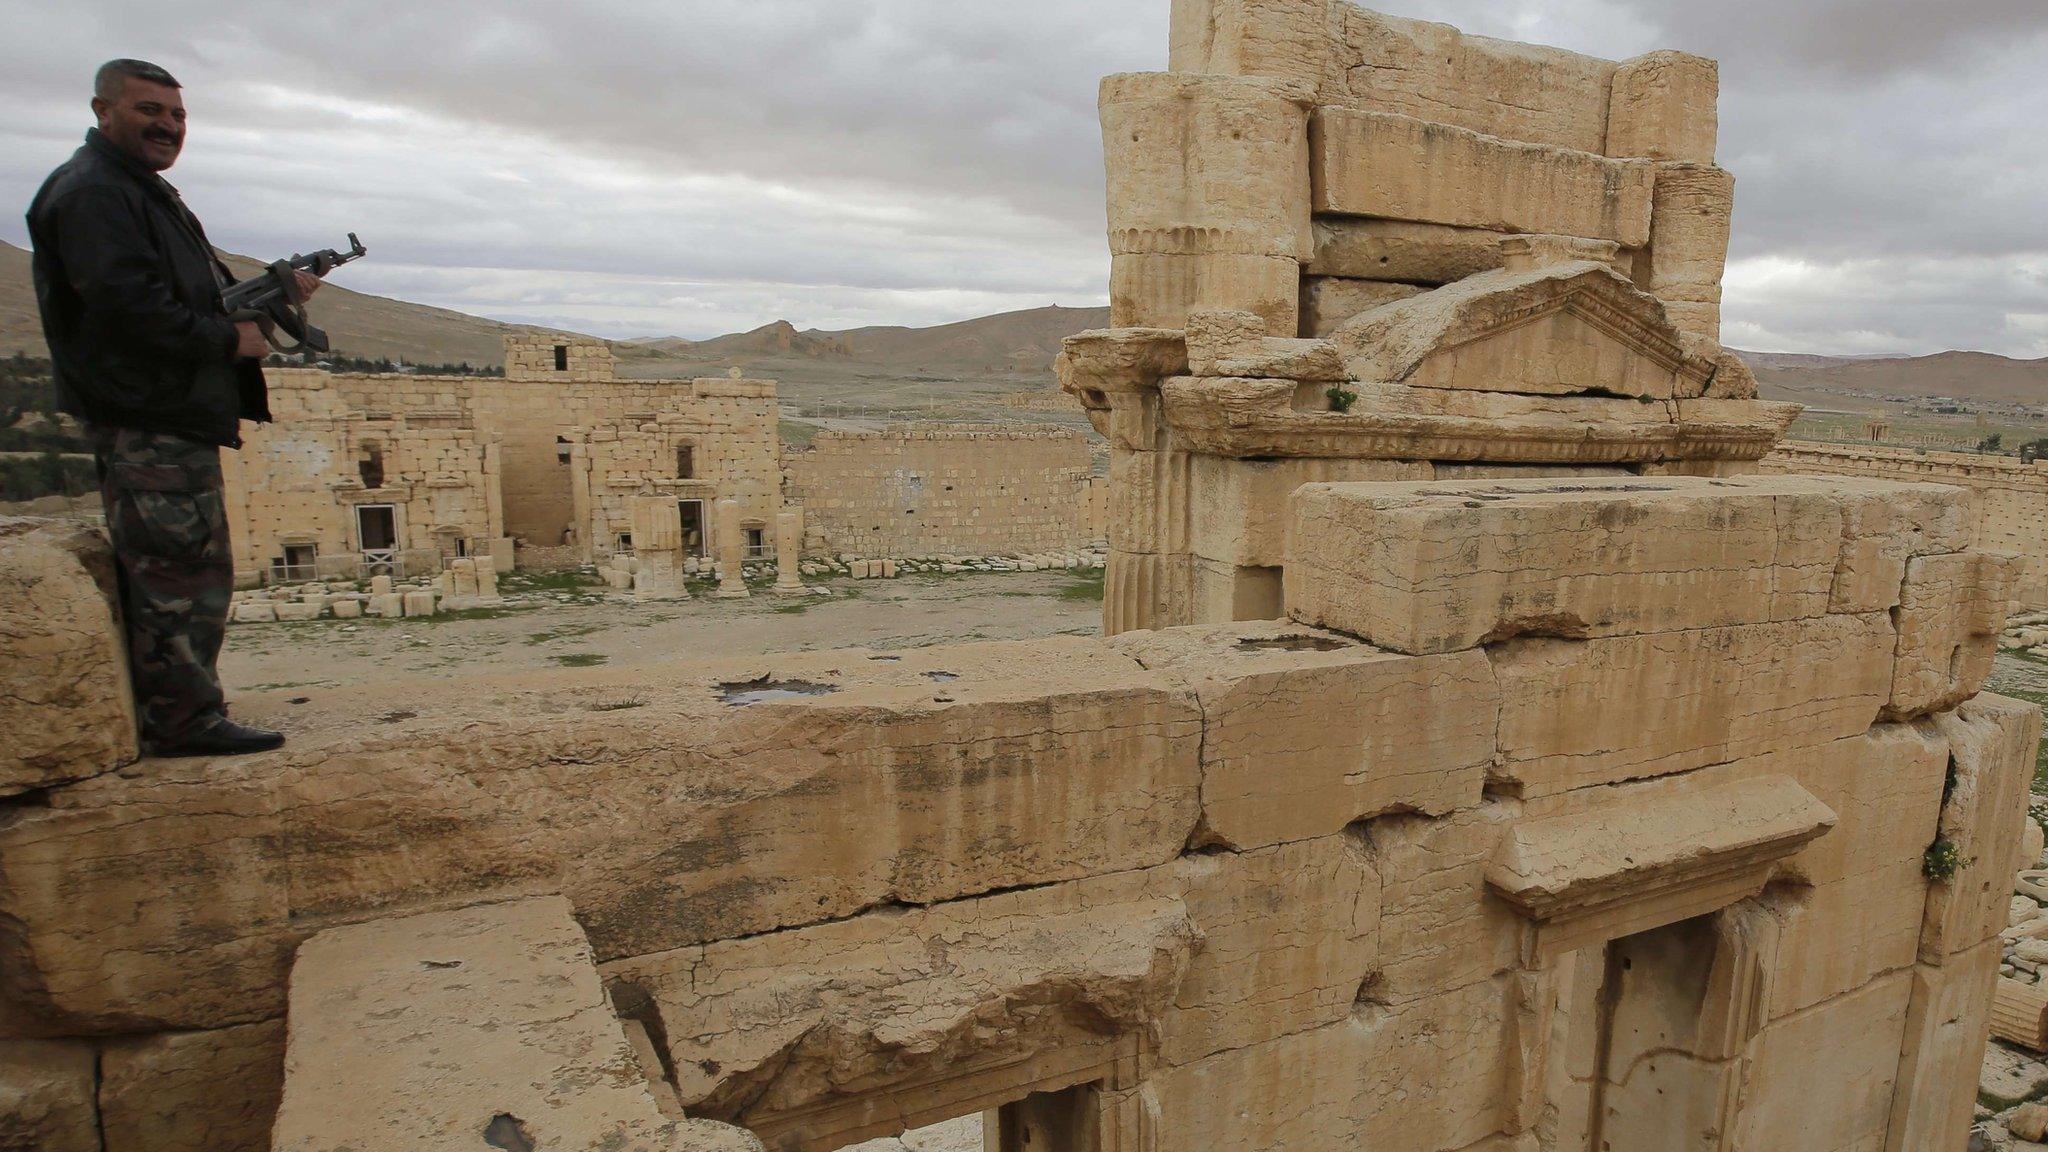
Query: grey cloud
x,y
650,167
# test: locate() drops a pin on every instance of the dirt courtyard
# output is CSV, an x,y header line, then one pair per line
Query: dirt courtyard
x,y
558,622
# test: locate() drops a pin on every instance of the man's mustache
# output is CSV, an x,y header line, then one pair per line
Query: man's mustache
x,y
162,137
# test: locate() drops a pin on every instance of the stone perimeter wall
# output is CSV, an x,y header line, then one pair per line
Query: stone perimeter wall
x,y
921,490
1357,879
2011,497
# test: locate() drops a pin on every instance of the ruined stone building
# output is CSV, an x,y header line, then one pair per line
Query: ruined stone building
x,y
2010,509
1509,258
1578,791
537,468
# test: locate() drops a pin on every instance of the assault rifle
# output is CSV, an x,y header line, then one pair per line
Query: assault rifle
x,y
271,297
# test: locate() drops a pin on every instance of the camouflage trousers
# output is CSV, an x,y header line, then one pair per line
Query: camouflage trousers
x,y
167,514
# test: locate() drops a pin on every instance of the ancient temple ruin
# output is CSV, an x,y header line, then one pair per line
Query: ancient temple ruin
x,y
1352,247
1576,793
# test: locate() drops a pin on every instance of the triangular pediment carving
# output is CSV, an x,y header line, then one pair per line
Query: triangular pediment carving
x,y
1572,329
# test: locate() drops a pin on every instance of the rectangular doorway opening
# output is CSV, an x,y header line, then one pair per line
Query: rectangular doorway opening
x,y
377,538
693,527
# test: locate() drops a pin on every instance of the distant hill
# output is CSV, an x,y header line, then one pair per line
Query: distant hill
x,y
1010,342
359,324
1971,376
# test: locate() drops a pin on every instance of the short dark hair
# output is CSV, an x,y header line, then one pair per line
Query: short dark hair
x,y
113,75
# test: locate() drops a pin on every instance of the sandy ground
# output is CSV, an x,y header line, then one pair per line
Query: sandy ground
x,y
541,629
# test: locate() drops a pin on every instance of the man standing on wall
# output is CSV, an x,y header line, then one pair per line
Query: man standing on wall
x,y
144,353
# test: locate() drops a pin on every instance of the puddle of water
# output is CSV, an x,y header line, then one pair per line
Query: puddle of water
x,y
1292,644
745,692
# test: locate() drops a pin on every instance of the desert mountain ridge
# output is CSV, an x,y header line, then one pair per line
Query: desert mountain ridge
x,y
1005,345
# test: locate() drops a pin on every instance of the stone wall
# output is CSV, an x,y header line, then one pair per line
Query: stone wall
x,y
923,490
2011,509
1535,775
299,481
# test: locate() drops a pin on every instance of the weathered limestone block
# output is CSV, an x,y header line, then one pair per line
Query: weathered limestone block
x,y
1237,509
1281,38
1305,733
1235,344
1695,206
1951,610
64,696
255,612
1440,567
1440,926
1992,745
482,1027
389,605
1401,168
1580,712
1434,72
1629,867
1434,1082
47,1097
1544,324
769,1031
1429,255
672,812
193,1091
1329,302
1885,527
1665,106
1208,196
1288,935
1844,1052
418,603
1948,1022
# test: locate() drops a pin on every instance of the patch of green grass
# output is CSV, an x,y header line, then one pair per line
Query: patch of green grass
x,y
797,433
581,659
569,632
1084,586
792,608
481,613
2040,758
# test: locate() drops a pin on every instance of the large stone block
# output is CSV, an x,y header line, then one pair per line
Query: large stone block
x,y
1288,39
1992,742
1160,289
1305,733
1844,1052
1951,610
1440,926
1237,509
1948,1023
1580,712
1400,168
773,1031
1434,568
672,812
1204,164
1434,72
1327,302
1400,251
47,1103
1665,106
482,1027
1421,1075
64,695
214,1091
1688,253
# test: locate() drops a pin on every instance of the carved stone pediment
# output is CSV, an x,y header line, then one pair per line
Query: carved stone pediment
x,y
1575,328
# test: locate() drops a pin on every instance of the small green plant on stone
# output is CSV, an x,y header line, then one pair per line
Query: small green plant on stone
x,y
1341,398
1942,861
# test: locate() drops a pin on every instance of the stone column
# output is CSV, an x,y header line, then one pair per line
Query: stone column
x,y
789,552
732,552
657,545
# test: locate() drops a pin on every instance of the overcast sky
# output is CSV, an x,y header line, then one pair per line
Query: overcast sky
x,y
694,167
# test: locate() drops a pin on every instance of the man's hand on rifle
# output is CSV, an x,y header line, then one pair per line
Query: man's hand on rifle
x,y
308,284
249,341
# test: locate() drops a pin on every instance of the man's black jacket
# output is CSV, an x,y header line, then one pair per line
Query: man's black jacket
x,y
130,295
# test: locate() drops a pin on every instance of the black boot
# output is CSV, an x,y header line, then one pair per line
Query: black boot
x,y
220,736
